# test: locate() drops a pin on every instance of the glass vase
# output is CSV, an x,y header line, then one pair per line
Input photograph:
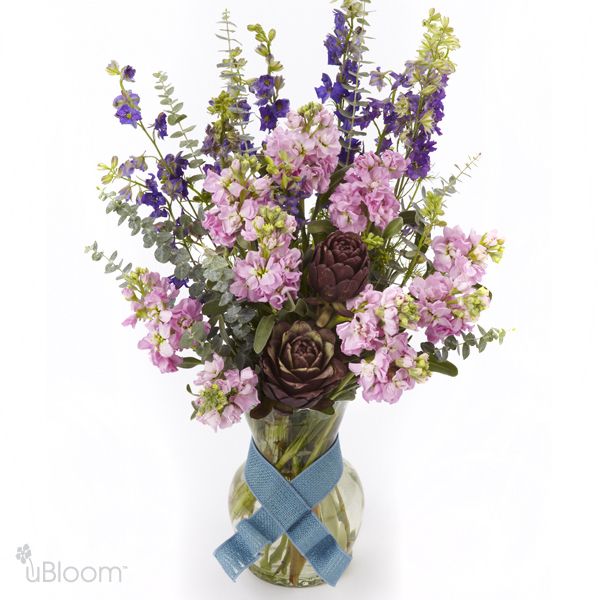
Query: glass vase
x,y
291,443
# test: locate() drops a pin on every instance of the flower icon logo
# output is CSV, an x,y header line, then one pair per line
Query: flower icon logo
x,y
23,553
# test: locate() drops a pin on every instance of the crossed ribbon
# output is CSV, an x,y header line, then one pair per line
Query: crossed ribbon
x,y
287,508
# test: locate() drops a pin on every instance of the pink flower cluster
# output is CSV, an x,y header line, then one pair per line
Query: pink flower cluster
x,y
272,273
224,395
305,148
464,258
378,317
366,192
444,309
153,298
236,195
377,326
394,368
271,278
451,299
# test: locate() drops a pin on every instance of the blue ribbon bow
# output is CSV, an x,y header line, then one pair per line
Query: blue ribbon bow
x,y
287,508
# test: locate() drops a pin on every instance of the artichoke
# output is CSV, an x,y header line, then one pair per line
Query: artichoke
x,y
300,367
339,269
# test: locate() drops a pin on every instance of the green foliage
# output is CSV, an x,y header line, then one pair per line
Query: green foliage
x,y
112,265
264,47
175,116
232,66
470,341
433,59
444,367
232,332
393,228
425,213
263,332
346,390
228,127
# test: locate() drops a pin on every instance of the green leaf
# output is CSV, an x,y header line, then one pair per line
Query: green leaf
x,y
163,254
466,350
409,216
212,308
451,342
316,227
428,347
263,333
189,362
445,367
223,332
174,119
393,228
301,308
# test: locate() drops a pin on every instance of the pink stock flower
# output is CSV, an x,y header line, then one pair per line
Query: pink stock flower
x,y
153,298
261,279
378,316
439,308
149,295
364,331
236,196
397,309
367,192
162,343
210,370
465,273
224,396
307,146
346,208
395,368
447,247
361,334
464,258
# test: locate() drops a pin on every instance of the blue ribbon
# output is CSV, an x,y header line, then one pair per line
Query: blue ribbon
x,y
287,508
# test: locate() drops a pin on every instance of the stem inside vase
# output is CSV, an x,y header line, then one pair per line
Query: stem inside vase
x,y
291,443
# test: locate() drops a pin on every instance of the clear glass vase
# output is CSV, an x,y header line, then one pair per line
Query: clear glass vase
x,y
292,443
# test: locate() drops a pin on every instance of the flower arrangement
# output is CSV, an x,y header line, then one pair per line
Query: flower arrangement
x,y
306,249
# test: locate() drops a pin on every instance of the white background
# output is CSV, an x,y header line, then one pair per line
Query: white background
x,y
480,487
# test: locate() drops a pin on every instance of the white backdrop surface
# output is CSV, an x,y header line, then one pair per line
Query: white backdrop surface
x,y
479,487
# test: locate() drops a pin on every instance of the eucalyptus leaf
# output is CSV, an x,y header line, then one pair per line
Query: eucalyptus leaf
x,y
263,333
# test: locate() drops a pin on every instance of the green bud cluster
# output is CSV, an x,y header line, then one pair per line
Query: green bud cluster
x,y
373,241
420,371
433,208
495,249
476,302
213,397
433,59
408,313
274,220
354,8
283,170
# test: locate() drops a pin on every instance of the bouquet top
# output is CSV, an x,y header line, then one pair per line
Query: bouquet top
x,y
306,248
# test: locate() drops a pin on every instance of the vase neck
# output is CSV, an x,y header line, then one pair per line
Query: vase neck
x,y
291,442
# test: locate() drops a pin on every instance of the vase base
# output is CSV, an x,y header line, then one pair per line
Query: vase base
x,y
283,580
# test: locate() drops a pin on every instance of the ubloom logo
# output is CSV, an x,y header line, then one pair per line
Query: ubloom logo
x,y
56,572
